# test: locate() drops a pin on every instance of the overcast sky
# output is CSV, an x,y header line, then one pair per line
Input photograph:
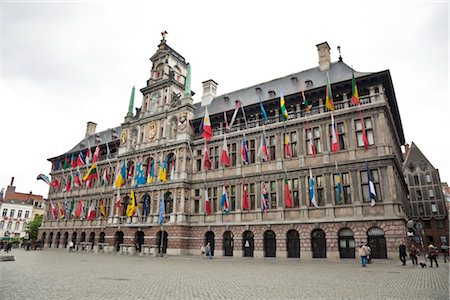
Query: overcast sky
x,y
63,63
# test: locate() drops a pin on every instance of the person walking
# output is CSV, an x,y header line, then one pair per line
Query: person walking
x,y
202,251
208,250
402,253
70,246
444,250
413,254
363,252
432,255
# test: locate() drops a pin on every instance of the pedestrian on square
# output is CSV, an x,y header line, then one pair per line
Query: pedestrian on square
x,y
363,253
444,250
413,254
70,246
208,250
402,253
369,254
202,251
432,255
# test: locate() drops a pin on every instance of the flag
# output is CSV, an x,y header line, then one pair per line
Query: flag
x,y
244,150
88,156
284,112
131,208
371,186
329,96
61,211
163,170
118,205
96,154
287,193
265,197
77,179
225,159
69,182
312,195
120,181
340,194
66,208
207,203
73,162
53,209
80,160
236,109
79,212
91,212
311,142
334,135
355,96
225,119
91,173
146,204
207,129
43,178
140,177
263,111
363,129
151,172
105,177
307,105
224,200
161,209
287,148
130,171
172,169
206,160
66,164
102,208
263,151
72,208
55,184
245,197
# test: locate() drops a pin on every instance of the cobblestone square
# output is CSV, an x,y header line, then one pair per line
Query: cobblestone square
x,y
58,274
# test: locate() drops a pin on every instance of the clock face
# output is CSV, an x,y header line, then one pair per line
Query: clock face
x,y
423,165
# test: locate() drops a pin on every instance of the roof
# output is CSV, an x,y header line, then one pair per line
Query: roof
x,y
416,157
338,72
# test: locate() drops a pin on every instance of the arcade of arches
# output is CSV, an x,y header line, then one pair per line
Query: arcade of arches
x,y
301,241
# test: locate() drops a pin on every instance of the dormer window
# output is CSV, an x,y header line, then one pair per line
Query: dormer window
x,y
258,91
309,83
226,98
272,93
294,80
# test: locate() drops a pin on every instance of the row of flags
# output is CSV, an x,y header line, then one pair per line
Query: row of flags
x,y
80,159
76,210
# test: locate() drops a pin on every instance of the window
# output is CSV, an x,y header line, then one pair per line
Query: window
x,y
16,226
428,178
295,192
198,160
196,201
340,135
273,194
212,194
251,196
365,186
19,213
359,132
345,183
2,224
416,180
233,154
293,141
316,138
232,197
214,152
431,192
27,214
251,151
5,212
9,225
433,208
11,213
421,209
272,147
319,190
419,195
443,239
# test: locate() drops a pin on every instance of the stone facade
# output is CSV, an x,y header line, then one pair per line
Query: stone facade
x,y
166,131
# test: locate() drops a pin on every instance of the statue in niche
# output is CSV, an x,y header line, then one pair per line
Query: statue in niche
x,y
183,121
151,131
123,137
173,128
153,103
133,138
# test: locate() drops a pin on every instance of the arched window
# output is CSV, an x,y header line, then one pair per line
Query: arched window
x,y
159,71
168,203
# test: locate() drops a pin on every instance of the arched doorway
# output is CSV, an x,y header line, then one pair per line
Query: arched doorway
x,y
125,200
228,243
92,239
209,238
139,240
74,238
82,239
293,243
377,243
270,244
43,237
58,237
66,239
318,244
248,243
346,243
101,239
118,239
50,239
164,241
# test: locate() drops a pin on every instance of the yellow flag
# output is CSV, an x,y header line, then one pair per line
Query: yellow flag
x,y
131,208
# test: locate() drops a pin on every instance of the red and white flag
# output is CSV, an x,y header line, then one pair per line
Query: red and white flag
x,y
207,129
225,159
206,160
96,154
263,152
207,203
334,135
245,197
236,109
88,156
91,212
53,208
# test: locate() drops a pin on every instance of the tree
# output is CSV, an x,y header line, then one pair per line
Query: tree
x,y
34,225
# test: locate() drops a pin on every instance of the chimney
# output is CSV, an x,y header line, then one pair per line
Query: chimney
x,y
324,56
90,129
12,181
209,91
406,149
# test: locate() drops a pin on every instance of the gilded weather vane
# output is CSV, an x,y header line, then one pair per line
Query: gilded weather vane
x,y
163,34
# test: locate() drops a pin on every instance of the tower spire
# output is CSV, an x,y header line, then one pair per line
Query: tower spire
x,y
130,106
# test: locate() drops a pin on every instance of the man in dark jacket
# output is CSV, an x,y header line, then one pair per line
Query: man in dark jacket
x,y
402,253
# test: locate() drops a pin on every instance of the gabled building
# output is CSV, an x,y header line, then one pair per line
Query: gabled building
x,y
163,139
426,198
